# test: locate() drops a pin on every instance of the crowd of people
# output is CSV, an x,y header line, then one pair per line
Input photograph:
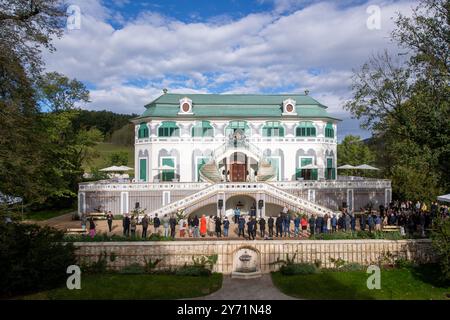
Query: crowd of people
x,y
409,217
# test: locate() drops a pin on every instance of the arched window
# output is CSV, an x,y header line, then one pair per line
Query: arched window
x,y
203,129
305,129
329,131
143,130
168,129
237,125
273,129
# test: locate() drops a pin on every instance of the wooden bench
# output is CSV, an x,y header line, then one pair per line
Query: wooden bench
x,y
97,215
76,231
391,229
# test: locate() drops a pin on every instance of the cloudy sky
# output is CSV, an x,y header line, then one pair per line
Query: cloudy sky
x,y
127,51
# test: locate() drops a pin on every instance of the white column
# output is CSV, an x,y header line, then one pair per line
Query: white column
x,y
81,203
124,203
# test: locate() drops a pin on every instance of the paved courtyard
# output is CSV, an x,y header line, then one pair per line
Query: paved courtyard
x,y
249,289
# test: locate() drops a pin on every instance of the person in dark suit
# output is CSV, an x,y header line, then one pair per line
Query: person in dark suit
x,y
250,229
126,225
262,227
279,225
270,225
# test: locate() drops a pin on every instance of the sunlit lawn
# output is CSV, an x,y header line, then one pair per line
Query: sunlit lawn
x,y
135,287
398,284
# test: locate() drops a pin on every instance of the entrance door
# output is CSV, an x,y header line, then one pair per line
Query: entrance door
x,y
238,172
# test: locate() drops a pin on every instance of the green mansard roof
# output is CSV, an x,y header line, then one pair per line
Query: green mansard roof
x,y
234,105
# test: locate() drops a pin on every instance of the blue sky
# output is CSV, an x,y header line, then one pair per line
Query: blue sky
x,y
127,51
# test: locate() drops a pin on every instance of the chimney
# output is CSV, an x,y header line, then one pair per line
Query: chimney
x,y
165,90
306,92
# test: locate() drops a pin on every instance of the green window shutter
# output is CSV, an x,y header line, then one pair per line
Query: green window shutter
x,y
143,131
168,175
143,169
306,129
329,163
314,174
305,162
329,131
333,174
168,129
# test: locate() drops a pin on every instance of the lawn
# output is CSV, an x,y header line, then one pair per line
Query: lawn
x,y
134,287
396,284
47,214
104,150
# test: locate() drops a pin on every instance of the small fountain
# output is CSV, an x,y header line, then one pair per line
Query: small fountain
x,y
246,264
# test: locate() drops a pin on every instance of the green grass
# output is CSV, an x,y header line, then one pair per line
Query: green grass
x,y
396,284
135,287
104,150
47,214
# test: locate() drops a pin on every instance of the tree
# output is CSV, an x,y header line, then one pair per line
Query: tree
x,y
58,93
352,150
406,103
119,158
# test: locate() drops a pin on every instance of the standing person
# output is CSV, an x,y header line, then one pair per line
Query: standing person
x,y
237,214
296,226
279,225
156,224
348,221
126,225
262,227
218,227
133,224
370,222
144,223
353,222
226,226
173,225
422,220
190,226
334,223
109,219
182,227
211,226
304,223
325,228
241,227
319,224
362,221
165,223
250,228
196,224
92,227
83,223
287,225
203,226
270,225
312,224
377,223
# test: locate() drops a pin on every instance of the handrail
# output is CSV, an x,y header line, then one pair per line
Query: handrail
x,y
306,205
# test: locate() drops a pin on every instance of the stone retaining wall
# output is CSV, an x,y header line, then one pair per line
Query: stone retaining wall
x,y
177,253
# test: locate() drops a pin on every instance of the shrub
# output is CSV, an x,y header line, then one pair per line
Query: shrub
x,y
440,237
134,268
150,265
299,268
193,271
32,258
99,266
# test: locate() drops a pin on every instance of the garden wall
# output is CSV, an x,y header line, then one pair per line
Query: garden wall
x,y
177,253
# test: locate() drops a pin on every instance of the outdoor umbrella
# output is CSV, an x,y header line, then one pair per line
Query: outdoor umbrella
x,y
366,167
125,168
112,169
347,166
444,198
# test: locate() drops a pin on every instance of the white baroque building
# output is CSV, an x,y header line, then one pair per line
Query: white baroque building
x,y
207,153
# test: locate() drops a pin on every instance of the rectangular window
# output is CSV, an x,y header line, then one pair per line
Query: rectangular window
x,y
168,174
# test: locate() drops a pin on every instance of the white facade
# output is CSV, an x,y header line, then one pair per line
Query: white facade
x,y
187,151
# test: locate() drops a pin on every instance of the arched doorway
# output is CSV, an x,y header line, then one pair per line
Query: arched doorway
x,y
244,202
238,167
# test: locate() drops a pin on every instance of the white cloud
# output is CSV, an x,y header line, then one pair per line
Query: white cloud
x,y
313,48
